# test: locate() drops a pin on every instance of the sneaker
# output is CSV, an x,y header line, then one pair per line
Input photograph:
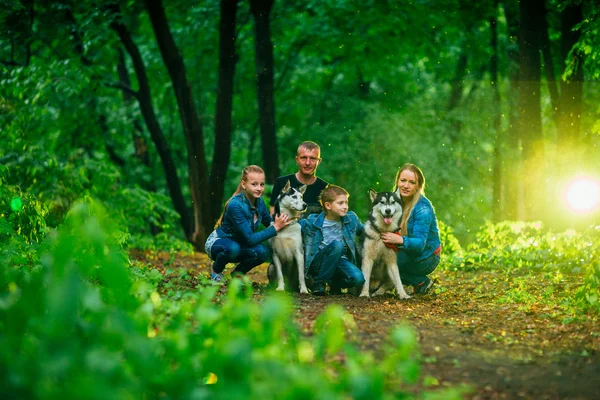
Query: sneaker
x,y
335,291
216,277
318,288
424,287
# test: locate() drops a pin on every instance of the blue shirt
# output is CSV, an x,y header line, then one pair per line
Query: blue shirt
x,y
423,236
241,221
312,235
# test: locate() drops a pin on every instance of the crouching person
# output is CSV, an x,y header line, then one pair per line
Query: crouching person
x,y
236,238
330,254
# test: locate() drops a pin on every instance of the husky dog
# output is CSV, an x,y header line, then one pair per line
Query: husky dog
x,y
384,216
288,251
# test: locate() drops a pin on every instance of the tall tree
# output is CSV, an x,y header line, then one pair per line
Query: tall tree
x,y
513,205
144,98
497,204
261,11
571,89
530,120
227,61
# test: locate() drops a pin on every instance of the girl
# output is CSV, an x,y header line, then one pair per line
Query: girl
x,y
419,239
235,238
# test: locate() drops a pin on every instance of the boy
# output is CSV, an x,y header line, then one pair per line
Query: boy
x,y
330,254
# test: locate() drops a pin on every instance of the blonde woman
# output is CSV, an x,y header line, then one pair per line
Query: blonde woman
x,y
419,239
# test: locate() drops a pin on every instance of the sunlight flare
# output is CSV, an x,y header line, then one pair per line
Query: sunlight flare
x,y
582,195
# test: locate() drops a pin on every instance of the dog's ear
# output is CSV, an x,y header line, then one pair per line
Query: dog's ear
x,y
286,187
398,193
303,189
372,195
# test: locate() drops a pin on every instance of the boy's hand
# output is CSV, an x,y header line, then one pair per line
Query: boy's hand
x,y
391,238
281,221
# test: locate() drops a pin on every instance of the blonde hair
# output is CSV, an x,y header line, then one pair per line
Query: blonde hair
x,y
245,172
407,208
329,194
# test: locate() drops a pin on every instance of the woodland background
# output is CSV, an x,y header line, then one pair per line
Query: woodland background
x,y
154,108
124,126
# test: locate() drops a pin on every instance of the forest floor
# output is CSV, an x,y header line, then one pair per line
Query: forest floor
x,y
473,330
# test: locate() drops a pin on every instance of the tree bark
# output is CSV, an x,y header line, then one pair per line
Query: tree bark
x,y
571,90
497,204
223,123
547,57
261,10
530,121
513,206
198,171
144,98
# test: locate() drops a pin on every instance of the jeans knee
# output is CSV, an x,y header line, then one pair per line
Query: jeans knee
x,y
337,246
358,279
262,253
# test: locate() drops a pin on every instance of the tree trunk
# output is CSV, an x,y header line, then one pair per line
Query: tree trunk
x,y
547,57
497,204
227,62
571,90
530,121
192,128
456,94
144,98
513,205
261,10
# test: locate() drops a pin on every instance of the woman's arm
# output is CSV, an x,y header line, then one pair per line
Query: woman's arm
x,y
423,217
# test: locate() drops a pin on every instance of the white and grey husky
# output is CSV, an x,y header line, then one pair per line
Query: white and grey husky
x,y
384,216
288,251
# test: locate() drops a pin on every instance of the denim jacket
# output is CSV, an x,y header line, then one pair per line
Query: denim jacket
x,y
423,235
238,222
312,235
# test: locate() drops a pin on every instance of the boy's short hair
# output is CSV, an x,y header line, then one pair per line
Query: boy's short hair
x,y
329,194
309,145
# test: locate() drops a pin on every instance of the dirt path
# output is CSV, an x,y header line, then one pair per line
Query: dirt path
x,y
471,332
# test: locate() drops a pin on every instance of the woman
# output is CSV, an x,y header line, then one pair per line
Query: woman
x,y
419,239
235,238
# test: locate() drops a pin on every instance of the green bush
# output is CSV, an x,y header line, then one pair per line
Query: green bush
x,y
86,324
526,247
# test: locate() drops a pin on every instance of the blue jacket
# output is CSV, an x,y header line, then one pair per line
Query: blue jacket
x,y
238,222
312,235
423,235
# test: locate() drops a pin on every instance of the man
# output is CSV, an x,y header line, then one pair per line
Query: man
x,y
308,159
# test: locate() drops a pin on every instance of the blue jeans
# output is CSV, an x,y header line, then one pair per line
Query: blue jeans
x,y
329,266
224,251
415,273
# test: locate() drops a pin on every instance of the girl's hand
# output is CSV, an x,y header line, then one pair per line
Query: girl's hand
x,y
281,221
391,238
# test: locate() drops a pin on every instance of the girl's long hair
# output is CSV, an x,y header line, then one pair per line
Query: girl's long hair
x,y
407,208
248,170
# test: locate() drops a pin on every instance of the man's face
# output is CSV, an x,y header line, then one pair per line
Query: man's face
x,y
308,161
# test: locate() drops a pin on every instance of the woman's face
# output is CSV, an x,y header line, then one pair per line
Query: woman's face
x,y
408,184
254,185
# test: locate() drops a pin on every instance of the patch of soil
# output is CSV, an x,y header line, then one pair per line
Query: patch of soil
x,y
472,330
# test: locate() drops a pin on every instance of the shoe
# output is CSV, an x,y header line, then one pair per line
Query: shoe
x,y
335,291
424,287
318,288
216,277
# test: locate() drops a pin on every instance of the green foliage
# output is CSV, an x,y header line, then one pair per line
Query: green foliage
x,y
450,243
85,324
521,248
22,224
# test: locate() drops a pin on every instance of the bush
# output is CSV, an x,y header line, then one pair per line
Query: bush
x,y
525,247
85,324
